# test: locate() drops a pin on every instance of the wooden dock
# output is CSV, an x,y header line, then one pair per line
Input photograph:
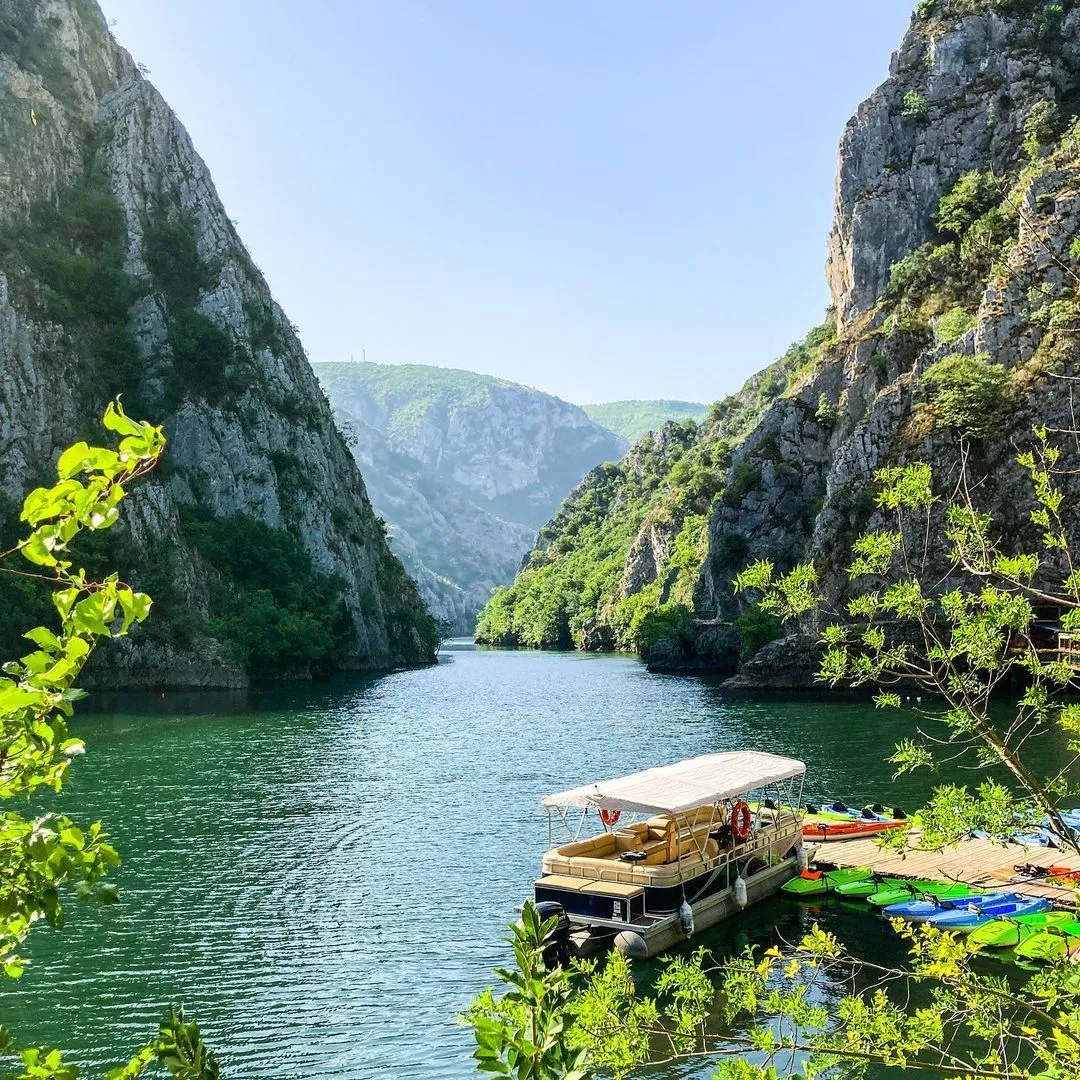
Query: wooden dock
x,y
974,862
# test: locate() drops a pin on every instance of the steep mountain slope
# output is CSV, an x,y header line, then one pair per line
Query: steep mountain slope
x,y
121,272
954,268
635,419
454,549
618,567
463,467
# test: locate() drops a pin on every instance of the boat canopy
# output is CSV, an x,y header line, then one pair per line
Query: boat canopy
x,y
673,789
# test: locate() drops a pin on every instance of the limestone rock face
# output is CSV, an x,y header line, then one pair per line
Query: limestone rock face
x,y
517,449
454,549
974,87
74,108
464,468
978,77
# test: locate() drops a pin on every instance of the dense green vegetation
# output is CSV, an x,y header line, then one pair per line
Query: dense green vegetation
x,y
65,262
22,599
571,594
967,393
572,578
635,419
940,284
268,602
409,391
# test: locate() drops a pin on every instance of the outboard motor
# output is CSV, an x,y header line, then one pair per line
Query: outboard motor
x,y
557,954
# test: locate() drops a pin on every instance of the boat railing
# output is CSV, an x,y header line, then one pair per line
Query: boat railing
x,y
784,828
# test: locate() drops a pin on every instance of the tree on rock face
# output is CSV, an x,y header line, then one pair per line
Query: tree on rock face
x,y
44,857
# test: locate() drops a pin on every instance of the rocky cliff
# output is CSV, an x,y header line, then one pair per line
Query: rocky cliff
x,y
464,468
120,272
954,268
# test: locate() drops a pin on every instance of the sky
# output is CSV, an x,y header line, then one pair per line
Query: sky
x,y
604,199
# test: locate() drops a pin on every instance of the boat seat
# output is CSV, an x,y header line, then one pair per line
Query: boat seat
x,y
560,881
612,888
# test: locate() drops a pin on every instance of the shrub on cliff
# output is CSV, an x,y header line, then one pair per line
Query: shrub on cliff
x,y
968,393
271,605
756,628
971,196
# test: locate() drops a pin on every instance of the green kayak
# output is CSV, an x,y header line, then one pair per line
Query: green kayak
x,y
864,887
1050,944
818,883
1009,933
913,889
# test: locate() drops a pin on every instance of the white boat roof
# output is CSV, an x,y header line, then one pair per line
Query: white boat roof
x,y
671,789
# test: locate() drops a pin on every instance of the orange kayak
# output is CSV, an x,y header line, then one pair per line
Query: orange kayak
x,y
845,830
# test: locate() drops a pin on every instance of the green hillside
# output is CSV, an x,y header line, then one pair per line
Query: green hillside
x,y
632,419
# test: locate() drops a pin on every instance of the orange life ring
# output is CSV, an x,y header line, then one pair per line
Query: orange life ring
x,y
610,817
741,819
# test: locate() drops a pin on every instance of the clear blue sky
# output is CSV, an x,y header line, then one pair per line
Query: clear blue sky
x,y
601,198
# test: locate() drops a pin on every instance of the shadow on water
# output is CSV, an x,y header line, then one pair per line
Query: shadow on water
x,y
323,873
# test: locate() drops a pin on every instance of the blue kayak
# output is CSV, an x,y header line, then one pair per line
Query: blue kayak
x,y
970,917
921,910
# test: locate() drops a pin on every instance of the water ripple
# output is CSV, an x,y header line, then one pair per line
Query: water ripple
x,y
323,875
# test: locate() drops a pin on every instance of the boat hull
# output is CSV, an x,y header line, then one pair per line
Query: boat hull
x,y
641,942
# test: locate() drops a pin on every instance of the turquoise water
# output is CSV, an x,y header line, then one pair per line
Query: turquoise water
x,y
322,875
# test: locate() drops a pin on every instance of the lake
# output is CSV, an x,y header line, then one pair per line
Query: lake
x,y
322,875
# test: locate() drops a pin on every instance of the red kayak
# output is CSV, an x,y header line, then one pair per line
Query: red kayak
x,y
845,830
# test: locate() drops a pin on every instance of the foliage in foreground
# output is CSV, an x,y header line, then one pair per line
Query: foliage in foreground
x,y
814,1010
43,858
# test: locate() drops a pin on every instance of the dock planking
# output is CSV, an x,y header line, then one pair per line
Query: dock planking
x,y
982,863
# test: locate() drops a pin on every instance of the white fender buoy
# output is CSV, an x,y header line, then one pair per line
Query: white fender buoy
x,y
631,945
686,917
804,857
740,892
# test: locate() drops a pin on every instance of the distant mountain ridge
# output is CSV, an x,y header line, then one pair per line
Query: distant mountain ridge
x,y
463,467
636,418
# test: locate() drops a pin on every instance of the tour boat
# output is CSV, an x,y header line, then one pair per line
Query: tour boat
x,y
680,849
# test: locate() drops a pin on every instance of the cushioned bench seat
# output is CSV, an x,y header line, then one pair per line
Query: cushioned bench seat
x,y
617,889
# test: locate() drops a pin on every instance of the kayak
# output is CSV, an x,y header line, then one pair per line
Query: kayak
x,y
970,916
863,887
1051,944
818,883
1010,932
897,892
844,830
840,811
921,910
